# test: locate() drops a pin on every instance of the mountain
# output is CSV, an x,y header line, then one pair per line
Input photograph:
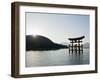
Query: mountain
x,y
41,43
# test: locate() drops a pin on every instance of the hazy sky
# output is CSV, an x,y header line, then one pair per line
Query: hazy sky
x,y
58,27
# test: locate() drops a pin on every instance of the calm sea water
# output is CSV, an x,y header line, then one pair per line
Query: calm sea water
x,y
56,58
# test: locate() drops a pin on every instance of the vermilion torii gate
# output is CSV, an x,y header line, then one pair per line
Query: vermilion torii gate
x,y
76,44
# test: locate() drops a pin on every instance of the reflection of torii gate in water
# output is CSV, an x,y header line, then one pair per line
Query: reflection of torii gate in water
x,y
76,44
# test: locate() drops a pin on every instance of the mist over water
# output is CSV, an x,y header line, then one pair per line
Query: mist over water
x,y
56,58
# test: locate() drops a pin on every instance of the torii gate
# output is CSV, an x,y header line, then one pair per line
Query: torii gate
x,y
76,44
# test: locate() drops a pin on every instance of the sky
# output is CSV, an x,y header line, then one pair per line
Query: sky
x,y
58,27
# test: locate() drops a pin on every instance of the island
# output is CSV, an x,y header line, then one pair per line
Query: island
x,y
39,43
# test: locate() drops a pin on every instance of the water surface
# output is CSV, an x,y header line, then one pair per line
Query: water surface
x,y
56,58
